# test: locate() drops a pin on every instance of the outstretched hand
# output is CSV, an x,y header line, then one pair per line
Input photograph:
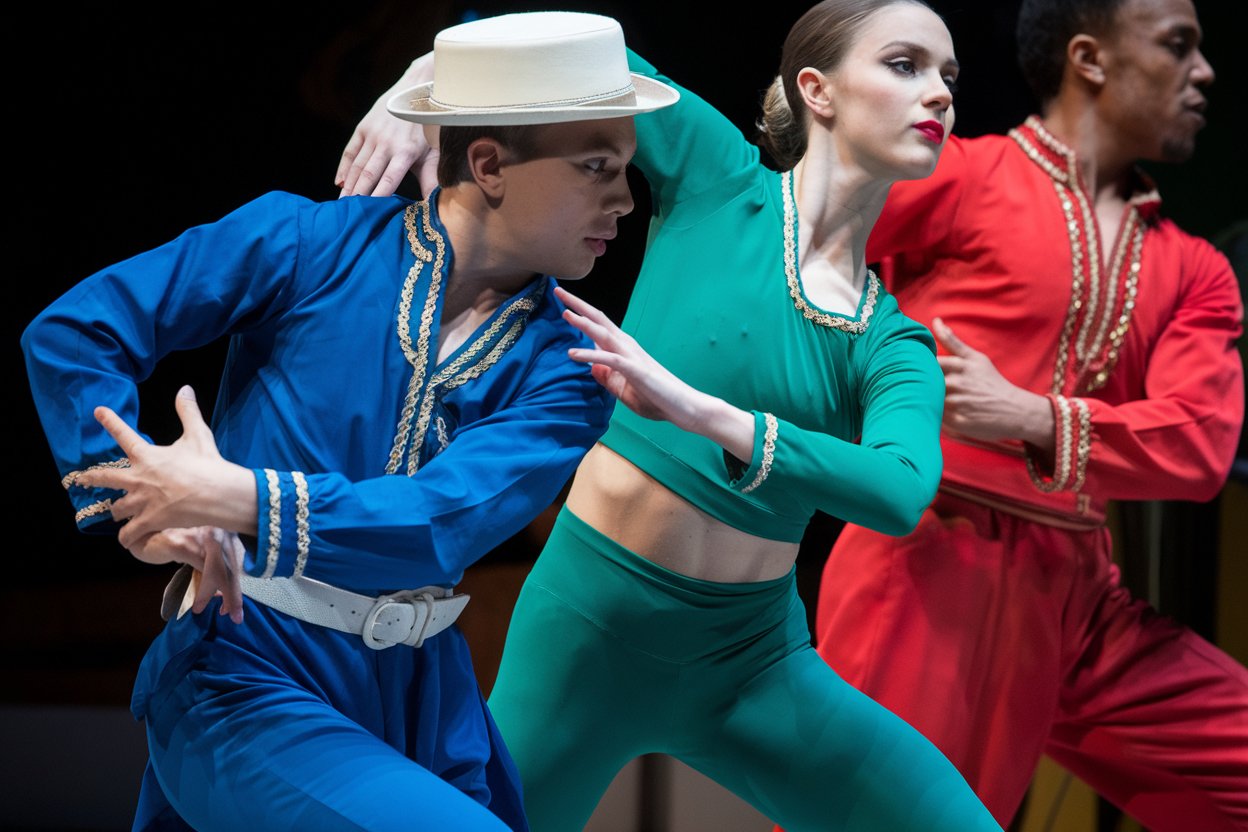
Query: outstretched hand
x,y
983,404
183,502
178,486
648,388
627,371
384,148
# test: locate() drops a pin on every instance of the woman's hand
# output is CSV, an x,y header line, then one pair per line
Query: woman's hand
x,y
384,148
648,388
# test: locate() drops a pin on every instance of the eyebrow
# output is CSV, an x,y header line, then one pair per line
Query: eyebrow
x,y
602,144
952,63
1186,31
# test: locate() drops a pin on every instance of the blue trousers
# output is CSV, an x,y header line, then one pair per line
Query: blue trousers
x,y
610,656
275,724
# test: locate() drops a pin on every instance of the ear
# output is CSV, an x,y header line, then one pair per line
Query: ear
x,y
485,160
1085,57
816,90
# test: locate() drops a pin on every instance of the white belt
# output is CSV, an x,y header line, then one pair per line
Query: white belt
x,y
408,617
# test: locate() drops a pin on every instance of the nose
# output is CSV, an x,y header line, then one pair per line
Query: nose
x,y
1202,71
619,199
937,95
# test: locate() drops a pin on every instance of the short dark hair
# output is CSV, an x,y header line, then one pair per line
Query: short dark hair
x,y
1044,30
453,143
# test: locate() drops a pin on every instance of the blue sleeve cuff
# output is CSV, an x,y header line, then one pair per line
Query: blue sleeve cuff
x,y
282,535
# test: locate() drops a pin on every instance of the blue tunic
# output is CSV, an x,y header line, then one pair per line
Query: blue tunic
x,y
378,468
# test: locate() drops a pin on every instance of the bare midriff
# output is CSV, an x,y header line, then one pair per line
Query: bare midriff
x,y
627,505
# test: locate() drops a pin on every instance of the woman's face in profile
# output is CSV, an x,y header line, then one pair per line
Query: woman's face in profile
x,y
892,94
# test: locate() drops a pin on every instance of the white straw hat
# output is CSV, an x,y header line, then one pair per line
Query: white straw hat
x,y
531,68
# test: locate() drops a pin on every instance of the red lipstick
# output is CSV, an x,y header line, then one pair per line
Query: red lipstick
x,y
933,131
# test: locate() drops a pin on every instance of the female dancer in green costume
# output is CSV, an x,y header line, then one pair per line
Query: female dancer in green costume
x,y
766,375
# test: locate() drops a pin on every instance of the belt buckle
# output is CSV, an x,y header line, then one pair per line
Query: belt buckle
x,y
413,597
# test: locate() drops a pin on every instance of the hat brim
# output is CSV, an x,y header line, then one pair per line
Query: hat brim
x,y
415,104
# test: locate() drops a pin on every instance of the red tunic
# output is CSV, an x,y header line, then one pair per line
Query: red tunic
x,y
998,628
1135,345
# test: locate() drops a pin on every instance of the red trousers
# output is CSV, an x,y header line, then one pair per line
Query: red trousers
x,y
1001,639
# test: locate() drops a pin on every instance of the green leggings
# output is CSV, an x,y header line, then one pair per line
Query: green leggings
x,y
610,656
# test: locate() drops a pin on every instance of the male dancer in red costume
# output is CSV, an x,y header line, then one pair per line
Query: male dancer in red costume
x,y
1089,352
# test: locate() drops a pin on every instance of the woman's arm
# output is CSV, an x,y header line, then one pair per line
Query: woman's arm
x,y
884,481
649,389
684,150
384,149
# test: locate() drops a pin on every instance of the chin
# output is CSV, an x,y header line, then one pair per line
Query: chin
x,y
1177,149
916,170
567,271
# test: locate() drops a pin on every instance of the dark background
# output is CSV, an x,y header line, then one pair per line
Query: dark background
x,y
128,126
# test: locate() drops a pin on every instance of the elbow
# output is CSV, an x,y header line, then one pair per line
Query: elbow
x,y
904,507
1208,468
30,337
1205,488
903,518
41,339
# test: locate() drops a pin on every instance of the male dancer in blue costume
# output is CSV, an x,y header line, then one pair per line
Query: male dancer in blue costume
x,y
338,702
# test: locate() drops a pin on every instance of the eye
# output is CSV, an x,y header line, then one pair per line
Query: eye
x,y
1181,45
902,66
596,166
951,83
1180,48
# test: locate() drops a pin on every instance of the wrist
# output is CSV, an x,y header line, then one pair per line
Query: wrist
x,y
1037,426
230,503
727,426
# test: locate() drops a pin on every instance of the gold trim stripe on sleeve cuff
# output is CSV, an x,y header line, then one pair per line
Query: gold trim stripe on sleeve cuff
x,y
275,522
302,538
769,452
92,510
1061,452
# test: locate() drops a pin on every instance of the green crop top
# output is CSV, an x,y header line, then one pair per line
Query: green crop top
x,y
847,409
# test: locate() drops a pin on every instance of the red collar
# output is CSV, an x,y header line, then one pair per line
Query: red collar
x,y
1057,160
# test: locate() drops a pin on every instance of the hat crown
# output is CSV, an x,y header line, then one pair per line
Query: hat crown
x,y
530,59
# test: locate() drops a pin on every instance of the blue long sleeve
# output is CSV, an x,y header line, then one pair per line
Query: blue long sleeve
x,y
315,386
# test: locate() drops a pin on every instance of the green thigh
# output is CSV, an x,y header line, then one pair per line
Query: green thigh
x,y
610,656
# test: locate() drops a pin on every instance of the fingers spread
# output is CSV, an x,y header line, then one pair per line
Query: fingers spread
x,y
348,156
221,569
350,181
597,333
950,365
131,443
131,535
207,586
193,424
582,307
122,479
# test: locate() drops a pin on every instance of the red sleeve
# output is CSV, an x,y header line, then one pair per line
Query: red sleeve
x,y
1179,440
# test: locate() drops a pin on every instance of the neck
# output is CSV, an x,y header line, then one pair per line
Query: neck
x,y
1103,163
481,264
838,203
